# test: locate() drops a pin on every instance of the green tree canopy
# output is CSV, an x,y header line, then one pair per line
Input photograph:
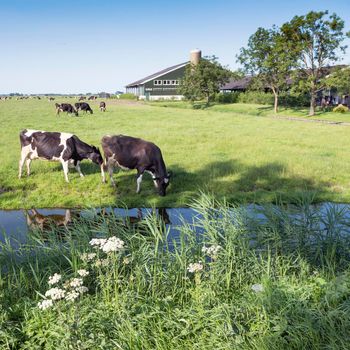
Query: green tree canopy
x,y
268,59
317,40
203,80
340,80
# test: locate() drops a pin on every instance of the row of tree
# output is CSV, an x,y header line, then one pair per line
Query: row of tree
x,y
292,56
295,54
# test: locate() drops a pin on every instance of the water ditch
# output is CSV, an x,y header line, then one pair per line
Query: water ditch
x,y
16,224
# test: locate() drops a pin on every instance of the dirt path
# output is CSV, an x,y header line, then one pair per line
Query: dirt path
x,y
311,120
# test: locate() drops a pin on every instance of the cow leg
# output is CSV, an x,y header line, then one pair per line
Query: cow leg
x,y
138,181
28,161
24,155
110,171
79,170
103,173
65,169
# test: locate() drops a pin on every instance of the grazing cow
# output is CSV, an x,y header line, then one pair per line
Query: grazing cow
x,y
51,98
65,107
83,106
63,147
92,98
82,98
103,106
132,153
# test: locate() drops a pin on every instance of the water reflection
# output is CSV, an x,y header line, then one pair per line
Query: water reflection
x,y
16,224
35,220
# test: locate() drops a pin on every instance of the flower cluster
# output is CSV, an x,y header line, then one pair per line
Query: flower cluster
x,y
54,279
212,251
71,290
195,267
88,256
107,245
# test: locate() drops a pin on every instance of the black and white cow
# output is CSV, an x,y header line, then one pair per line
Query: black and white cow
x,y
65,107
132,153
58,146
103,106
83,106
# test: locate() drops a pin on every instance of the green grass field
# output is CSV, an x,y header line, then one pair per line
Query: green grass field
x,y
231,151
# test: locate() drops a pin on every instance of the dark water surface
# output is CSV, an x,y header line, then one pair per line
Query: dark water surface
x,y
15,224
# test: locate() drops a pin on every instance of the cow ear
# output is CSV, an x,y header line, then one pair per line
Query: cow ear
x,y
169,174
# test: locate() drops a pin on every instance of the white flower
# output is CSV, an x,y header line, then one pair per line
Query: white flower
x,y
54,279
83,273
45,304
195,267
82,289
88,256
76,282
257,288
71,296
212,251
98,242
55,293
113,244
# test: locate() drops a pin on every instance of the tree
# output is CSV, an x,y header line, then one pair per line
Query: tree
x,y
317,40
268,59
203,80
340,80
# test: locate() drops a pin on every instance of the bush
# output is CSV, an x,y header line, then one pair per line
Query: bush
x,y
258,97
340,109
227,97
128,96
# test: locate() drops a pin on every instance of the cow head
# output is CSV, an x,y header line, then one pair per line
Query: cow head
x,y
75,112
162,183
95,156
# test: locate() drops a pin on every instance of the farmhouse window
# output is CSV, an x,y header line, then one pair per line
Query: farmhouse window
x,y
157,82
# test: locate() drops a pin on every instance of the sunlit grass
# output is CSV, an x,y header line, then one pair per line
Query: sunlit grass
x,y
229,151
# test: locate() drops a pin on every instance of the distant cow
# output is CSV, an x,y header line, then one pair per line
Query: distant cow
x,y
133,153
63,147
103,106
92,98
82,98
65,107
83,106
51,98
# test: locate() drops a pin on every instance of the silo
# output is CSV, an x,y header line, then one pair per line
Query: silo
x,y
195,56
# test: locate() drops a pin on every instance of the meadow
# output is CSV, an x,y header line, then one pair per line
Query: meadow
x,y
240,152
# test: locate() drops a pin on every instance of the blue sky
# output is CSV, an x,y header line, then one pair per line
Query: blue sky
x,y
90,46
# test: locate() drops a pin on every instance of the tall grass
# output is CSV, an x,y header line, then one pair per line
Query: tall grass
x,y
280,282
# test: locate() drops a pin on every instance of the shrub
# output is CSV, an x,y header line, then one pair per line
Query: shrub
x,y
227,97
340,109
258,97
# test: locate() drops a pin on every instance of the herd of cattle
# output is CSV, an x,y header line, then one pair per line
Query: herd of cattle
x,y
79,106
122,151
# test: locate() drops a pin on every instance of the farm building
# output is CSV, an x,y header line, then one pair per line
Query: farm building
x,y
163,84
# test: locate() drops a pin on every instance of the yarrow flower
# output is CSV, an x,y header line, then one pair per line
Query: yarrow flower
x,y
45,304
195,267
71,296
88,256
55,293
54,279
212,251
112,244
76,282
83,273
257,288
